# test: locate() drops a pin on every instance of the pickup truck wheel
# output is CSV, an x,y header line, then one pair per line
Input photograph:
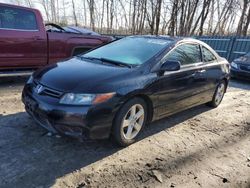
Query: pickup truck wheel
x,y
129,121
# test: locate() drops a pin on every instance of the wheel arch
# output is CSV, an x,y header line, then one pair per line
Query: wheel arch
x,y
141,97
125,104
148,102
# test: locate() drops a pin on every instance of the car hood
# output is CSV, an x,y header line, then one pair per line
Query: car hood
x,y
243,60
76,75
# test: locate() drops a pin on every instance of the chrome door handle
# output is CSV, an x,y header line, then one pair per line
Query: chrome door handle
x,y
201,71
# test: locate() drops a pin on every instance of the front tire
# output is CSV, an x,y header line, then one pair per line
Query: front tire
x,y
129,121
218,94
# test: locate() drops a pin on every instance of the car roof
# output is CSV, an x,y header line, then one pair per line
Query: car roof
x,y
17,6
169,38
164,37
178,40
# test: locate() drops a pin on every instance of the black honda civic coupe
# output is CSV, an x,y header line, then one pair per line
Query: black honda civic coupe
x,y
116,89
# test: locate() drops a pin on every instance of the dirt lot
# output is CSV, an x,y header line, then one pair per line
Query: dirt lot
x,y
201,147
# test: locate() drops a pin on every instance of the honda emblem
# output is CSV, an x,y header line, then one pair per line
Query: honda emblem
x,y
39,89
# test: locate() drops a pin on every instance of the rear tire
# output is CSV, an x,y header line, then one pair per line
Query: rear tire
x,y
129,121
218,94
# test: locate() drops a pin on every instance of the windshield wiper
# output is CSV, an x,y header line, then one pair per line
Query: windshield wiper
x,y
106,60
90,58
116,62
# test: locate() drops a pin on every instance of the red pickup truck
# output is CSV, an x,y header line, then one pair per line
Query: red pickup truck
x,y
26,44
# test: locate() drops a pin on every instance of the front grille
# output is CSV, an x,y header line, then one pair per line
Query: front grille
x,y
52,93
46,90
245,67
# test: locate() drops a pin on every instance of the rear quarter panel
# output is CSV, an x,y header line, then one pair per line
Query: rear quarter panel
x,y
216,72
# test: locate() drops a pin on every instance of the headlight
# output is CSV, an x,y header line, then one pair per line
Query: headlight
x,y
85,99
234,65
30,80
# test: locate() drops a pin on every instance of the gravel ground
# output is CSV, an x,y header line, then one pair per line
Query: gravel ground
x,y
200,147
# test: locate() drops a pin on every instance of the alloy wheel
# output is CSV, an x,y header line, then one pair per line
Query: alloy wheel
x,y
219,93
133,121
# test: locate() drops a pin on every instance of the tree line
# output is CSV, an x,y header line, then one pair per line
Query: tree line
x,y
172,17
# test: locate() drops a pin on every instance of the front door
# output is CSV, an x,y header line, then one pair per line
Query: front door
x,y
180,89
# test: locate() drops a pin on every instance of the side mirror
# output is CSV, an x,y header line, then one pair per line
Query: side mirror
x,y
170,66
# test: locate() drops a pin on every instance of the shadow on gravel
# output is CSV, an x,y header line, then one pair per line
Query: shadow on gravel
x,y
13,81
30,158
173,120
241,84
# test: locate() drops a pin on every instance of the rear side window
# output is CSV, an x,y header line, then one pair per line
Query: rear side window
x,y
207,55
185,54
14,18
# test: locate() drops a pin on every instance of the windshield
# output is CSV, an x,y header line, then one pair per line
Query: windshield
x,y
130,50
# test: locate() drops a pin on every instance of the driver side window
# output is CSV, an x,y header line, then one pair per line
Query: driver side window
x,y
186,54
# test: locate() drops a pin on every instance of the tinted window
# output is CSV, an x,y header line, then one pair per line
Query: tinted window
x,y
13,18
207,55
185,54
130,50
